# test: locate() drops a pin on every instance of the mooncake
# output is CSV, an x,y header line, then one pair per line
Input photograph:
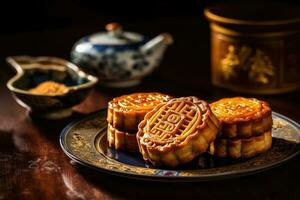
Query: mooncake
x,y
242,148
121,139
242,117
124,115
246,127
177,131
127,111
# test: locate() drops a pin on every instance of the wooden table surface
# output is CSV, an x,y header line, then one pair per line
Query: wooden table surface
x,y
33,166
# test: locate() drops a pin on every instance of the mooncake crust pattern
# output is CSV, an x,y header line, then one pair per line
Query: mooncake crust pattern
x,y
127,111
121,140
242,117
177,131
241,148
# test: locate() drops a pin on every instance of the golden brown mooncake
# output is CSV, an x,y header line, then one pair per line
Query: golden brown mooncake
x,y
177,131
121,140
242,148
242,117
127,111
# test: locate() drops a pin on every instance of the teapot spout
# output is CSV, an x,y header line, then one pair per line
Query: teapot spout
x,y
162,39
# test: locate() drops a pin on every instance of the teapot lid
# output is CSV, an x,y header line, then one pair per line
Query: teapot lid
x,y
115,36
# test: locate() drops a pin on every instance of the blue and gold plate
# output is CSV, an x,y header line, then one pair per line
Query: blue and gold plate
x,y
85,142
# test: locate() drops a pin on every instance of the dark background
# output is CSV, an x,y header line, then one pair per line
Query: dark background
x,y
50,27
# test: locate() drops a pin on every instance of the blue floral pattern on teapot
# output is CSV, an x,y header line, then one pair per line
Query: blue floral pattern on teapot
x,y
119,58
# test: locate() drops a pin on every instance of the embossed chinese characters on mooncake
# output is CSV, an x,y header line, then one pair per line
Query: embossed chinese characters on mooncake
x,y
177,131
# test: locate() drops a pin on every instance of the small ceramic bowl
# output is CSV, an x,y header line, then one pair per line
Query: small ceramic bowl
x,y
31,71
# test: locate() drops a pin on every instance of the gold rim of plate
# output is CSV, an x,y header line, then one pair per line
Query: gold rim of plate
x,y
79,140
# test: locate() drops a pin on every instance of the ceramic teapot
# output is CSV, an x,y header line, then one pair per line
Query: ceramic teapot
x,y
119,58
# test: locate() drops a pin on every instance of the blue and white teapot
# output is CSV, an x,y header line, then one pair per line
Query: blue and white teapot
x,y
119,58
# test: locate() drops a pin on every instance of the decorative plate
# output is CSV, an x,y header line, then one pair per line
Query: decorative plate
x,y
85,142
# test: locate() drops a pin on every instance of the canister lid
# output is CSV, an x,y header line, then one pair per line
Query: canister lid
x,y
258,14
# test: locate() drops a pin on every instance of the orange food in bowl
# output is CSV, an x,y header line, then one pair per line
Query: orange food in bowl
x,y
49,88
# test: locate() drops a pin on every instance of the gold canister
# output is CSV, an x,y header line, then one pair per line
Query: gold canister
x,y
255,48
